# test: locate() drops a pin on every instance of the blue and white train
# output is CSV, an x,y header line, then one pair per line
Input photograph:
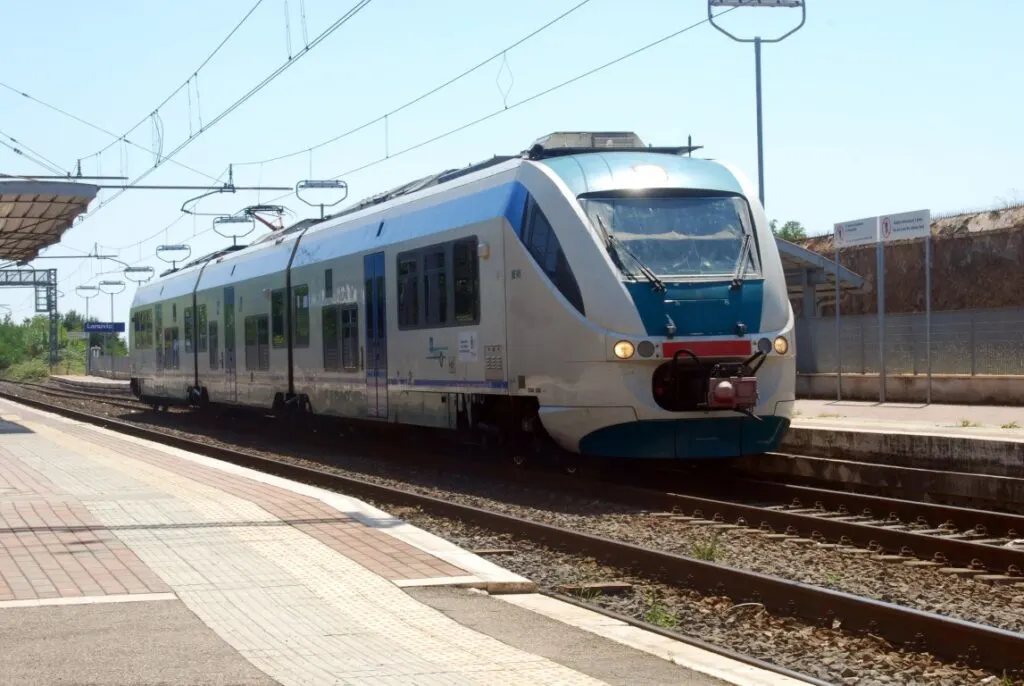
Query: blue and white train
x,y
591,296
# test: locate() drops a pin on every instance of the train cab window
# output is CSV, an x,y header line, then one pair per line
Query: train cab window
x,y
189,331
466,277
277,317
214,345
302,316
201,327
408,292
257,343
328,284
543,245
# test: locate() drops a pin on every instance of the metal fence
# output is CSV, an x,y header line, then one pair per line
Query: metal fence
x,y
962,342
110,367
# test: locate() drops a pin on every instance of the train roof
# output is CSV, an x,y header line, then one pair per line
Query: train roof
x,y
557,144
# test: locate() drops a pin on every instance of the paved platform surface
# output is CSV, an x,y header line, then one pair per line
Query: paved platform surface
x,y
123,561
969,421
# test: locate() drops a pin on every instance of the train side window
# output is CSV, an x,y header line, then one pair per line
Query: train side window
x,y
408,292
329,324
174,313
435,287
302,316
328,283
214,345
158,336
201,327
466,277
257,343
543,245
350,337
147,328
189,331
170,348
277,317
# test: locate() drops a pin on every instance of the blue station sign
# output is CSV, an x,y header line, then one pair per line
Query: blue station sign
x,y
104,327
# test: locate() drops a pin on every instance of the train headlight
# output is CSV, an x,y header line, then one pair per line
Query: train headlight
x,y
781,345
624,350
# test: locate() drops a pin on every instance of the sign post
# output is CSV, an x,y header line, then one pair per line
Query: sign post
x,y
846,234
901,227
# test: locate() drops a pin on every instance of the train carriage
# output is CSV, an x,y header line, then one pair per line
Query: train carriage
x,y
590,295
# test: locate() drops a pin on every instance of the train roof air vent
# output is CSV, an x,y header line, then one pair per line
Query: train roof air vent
x,y
589,139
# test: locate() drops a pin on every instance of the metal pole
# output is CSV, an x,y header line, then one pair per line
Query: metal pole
x,y
928,311
881,318
757,67
839,340
760,141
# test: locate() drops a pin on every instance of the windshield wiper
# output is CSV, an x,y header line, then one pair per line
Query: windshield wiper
x,y
741,266
612,252
612,241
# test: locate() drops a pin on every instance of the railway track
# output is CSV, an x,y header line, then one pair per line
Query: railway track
x,y
950,638
958,540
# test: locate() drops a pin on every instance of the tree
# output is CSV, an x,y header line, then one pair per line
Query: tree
x,y
790,231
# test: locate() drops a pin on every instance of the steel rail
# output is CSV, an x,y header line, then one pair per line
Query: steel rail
x,y
950,638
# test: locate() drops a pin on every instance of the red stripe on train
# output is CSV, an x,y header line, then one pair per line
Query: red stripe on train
x,y
735,348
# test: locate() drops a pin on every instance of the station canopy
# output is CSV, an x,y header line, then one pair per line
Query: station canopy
x,y
808,273
35,214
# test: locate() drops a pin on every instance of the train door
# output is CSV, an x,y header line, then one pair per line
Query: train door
x,y
230,370
376,337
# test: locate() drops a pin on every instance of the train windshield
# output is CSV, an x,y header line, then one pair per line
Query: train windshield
x,y
676,236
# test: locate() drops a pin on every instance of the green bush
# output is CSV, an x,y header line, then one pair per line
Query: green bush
x,y
27,370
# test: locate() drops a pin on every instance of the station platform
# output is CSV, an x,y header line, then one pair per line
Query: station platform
x,y
976,439
125,561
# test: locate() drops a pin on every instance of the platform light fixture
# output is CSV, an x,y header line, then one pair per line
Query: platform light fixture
x,y
757,40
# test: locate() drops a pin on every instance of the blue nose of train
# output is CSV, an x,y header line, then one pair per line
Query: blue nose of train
x,y
700,309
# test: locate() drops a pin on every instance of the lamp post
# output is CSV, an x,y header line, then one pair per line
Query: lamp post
x,y
86,293
92,292
757,40
112,288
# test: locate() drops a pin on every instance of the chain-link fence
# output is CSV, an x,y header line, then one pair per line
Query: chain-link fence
x,y
962,342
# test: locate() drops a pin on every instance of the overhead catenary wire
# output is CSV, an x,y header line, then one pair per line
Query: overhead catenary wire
x,y
427,94
519,103
187,84
495,113
353,11
93,126
40,158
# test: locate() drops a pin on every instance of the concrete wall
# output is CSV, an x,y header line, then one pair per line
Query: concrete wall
x,y
954,389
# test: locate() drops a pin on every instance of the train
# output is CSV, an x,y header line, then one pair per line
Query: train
x,y
592,297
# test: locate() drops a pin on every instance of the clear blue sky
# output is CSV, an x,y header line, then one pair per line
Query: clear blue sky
x,y
873,106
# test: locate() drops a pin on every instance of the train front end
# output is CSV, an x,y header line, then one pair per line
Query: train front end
x,y
698,329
